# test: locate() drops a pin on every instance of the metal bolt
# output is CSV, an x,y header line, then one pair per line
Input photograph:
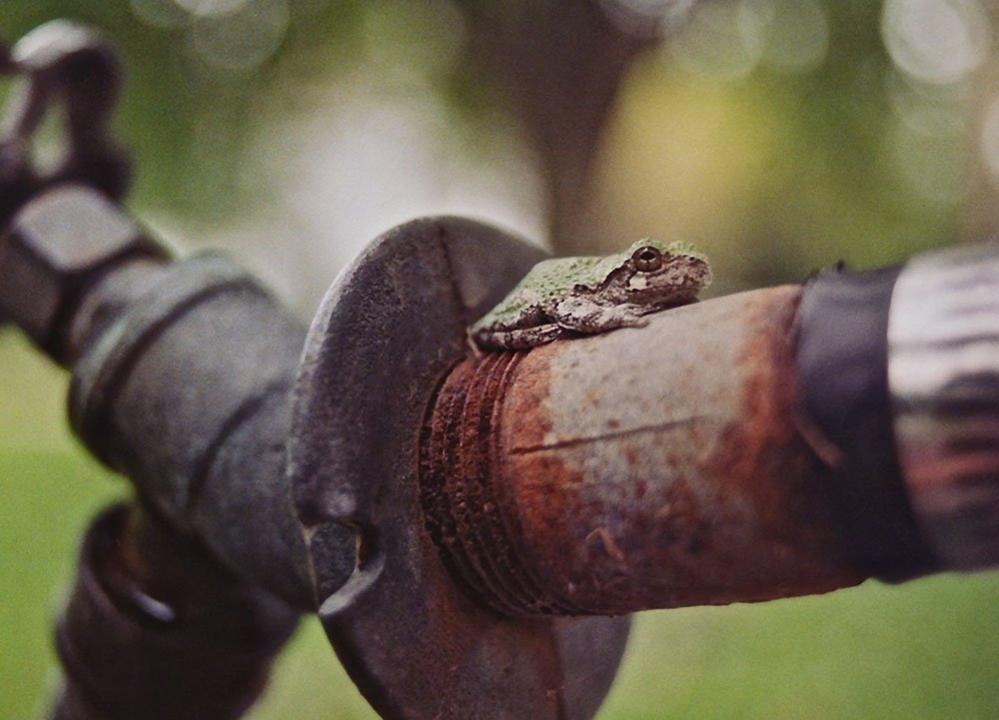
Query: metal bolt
x,y
56,248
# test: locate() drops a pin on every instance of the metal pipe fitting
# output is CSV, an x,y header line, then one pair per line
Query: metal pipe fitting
x,y
187,392
182,375
765,455
943,373
846,415
738,449
637,469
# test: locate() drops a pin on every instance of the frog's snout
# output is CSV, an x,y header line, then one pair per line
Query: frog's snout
x,y
699,274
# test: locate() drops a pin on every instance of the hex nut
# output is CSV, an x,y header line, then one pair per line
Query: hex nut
x,y
57,246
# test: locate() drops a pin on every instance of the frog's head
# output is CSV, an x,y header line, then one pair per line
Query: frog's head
x,y
660,273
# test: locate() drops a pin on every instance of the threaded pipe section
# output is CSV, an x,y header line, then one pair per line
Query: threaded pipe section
x,y
468,513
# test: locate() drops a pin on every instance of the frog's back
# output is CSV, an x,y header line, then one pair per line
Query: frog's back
x,y
558,276
548,279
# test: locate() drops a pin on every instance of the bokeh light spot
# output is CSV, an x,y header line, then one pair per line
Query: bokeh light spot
x,y
795,33
722,41
211,7
242,39
936,41
931,110
161,13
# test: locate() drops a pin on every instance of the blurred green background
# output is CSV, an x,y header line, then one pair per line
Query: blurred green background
x,y
779,135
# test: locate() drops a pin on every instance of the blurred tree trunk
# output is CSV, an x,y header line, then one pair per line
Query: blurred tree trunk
x,y
561,63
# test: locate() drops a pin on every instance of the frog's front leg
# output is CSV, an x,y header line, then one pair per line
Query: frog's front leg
x,y
584,315
518,339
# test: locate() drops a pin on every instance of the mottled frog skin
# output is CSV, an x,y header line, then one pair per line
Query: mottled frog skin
x,y
587,295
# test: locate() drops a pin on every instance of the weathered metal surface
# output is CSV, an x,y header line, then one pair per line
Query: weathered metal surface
x,y
155,629
943,371
55,248
181,374
58,62
658,467
416,645
186,390
465,499
841,355
105,299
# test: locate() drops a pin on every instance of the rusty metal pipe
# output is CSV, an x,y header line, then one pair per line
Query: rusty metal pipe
x,y
661,467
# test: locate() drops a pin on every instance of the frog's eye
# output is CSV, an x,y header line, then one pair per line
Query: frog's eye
x,y
647,258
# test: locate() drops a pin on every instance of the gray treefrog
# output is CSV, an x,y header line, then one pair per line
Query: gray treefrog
x,y
588,295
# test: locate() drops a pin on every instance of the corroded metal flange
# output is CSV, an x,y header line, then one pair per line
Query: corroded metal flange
x,y
415,643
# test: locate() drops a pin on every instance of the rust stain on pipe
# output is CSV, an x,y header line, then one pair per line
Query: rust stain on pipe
x,y
639,469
